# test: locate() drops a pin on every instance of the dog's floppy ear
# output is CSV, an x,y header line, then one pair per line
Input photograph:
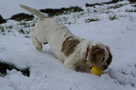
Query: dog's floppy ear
x,y
109,60
97,54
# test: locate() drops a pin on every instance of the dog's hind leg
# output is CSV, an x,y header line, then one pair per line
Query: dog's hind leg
x,y
36,42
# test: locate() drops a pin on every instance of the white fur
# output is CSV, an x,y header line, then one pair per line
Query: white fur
x,y
55,33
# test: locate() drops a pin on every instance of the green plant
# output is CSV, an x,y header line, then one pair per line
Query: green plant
x,y
130,10
95,11
113,17
1,28
9,27
91,20
21,31
116,6
22,23
28,19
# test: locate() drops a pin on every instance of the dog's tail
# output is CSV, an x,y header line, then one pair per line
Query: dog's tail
x,y
36,12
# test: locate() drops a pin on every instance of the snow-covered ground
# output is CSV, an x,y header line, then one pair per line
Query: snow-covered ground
x,y
48,73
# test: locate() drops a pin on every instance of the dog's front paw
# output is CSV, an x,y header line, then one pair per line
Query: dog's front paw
x,y
72,67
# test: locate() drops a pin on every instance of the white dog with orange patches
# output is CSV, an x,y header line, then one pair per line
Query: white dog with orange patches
x,y
76,53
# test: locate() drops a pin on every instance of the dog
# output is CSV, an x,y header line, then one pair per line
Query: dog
x,y
76,53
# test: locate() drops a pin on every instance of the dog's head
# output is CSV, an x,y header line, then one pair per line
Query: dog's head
x,y
99,55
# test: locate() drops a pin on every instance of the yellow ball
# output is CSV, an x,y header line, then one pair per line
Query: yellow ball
x,y
96,71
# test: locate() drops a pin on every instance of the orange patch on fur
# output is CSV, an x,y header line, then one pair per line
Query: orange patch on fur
x,y
69,45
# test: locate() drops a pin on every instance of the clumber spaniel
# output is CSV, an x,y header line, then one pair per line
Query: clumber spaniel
x,y
76,53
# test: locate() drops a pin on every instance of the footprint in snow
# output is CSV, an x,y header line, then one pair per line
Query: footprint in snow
x,y
123,77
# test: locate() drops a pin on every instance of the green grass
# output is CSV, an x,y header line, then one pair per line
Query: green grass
x,y
9,27
113,17
1,28
130,10
116,6
24,23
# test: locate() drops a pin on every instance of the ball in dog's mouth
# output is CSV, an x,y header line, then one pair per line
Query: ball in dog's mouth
x,y
96,71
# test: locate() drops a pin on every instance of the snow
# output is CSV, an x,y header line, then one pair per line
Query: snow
x,y
48,73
